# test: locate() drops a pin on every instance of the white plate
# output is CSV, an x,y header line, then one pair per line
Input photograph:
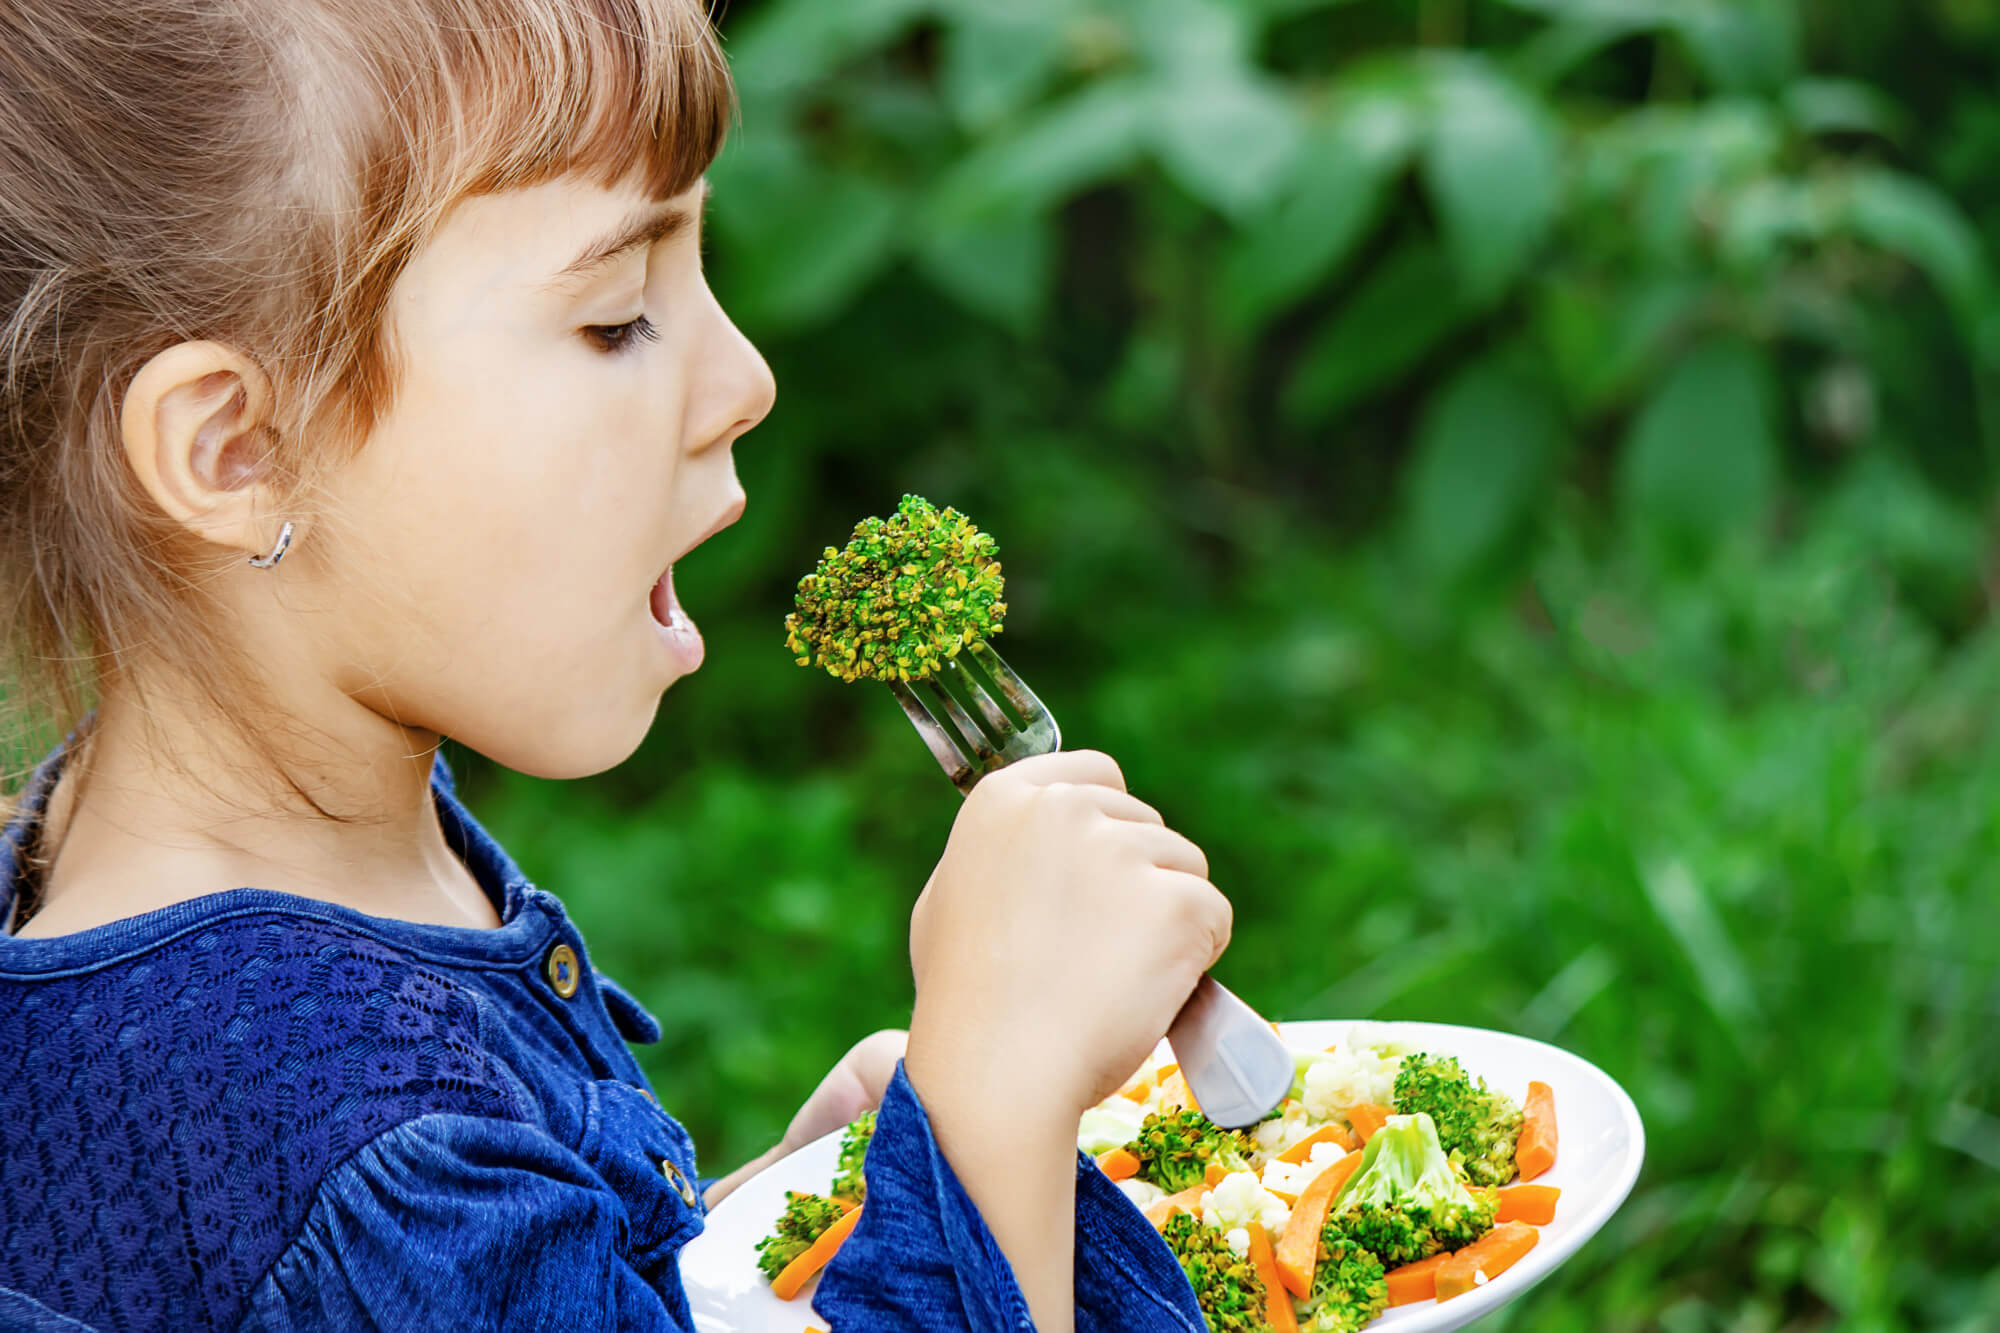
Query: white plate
x,y
1600,1146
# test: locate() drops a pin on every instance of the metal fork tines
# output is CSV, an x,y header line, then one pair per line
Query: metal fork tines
x,y
976,715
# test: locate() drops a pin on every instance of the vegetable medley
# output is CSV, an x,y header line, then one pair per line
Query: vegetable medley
x,y
1388,1176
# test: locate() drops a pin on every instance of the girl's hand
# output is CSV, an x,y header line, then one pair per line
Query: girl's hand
x,y
852,1086
1062,931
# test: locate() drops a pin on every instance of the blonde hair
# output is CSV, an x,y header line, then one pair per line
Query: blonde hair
x,y
259,172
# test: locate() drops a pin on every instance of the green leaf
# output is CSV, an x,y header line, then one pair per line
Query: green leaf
x,y
1342,180
795,43
1405,308
999,58
1074,143
1600,338
1227,140
1703,454
997,266
1486,449
1744,46
1914,219
800,240
1843,106
1494,173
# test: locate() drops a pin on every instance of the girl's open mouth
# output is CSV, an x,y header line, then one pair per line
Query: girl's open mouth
x,y
677,629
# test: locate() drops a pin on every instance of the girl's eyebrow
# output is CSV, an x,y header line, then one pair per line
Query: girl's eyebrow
x,y
645,228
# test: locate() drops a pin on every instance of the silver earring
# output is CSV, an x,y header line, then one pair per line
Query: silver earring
x,y
277,552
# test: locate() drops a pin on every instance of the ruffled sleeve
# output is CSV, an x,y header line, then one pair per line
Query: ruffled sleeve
x,y
457,1222
921,1256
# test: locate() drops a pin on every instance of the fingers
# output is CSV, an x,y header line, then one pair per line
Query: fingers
x,y
1204,915
1079,766
1172,851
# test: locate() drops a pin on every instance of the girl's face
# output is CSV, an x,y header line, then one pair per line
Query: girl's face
x,y
496,561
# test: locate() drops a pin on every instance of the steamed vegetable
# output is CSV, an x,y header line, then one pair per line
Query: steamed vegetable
x,y
1405,1202
1175,1149
805,1219
1478,1264
850,1183
1535,1151
908,592
816,1256
1477,1126
1348,1287
1226,1286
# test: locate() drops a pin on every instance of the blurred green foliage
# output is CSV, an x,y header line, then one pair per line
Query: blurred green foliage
x,y
1511,480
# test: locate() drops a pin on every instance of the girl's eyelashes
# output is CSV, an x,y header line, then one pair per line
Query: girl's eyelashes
x,y
618,337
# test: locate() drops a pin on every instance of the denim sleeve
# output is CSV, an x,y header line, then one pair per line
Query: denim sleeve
x,y
457,1222
921,1257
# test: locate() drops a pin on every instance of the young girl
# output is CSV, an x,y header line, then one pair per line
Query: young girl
x,y
359,386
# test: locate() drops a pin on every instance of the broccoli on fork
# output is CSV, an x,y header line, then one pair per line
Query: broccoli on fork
x,y
908,593
1406,1202
1477,1126
805,1217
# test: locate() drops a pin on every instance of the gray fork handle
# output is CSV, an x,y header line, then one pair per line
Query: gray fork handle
x,y
1237,1068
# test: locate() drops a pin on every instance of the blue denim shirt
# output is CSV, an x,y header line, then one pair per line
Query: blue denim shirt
x,y
261,1111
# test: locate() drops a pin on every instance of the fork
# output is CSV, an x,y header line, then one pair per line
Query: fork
x,y
977,715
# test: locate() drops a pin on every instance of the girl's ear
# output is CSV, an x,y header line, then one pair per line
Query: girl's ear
x,y
196,426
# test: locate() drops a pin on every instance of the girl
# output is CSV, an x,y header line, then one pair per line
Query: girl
x,y
361,387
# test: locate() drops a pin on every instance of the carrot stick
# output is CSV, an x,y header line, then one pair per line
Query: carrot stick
x,y
1212,1174
1415,1282
1367,1118
1118,1163
1175,1094
1188,1200
1165,1072
1302,1150
1298,1248
1535,1204
1485,1259
1277,1301
804,1268
1535,1150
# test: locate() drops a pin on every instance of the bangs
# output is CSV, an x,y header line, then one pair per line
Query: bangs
x,y
609,90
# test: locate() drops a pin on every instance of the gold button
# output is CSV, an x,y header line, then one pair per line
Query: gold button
x,y
564,974
678,1181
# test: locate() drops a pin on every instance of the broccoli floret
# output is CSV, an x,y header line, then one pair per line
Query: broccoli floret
x,y
1174,1149
850,1183
1349,1286
805,1217
1477,1126
907,593
1406,1201
1227,1288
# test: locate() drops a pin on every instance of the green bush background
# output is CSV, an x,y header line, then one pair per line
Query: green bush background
x,y
1512,480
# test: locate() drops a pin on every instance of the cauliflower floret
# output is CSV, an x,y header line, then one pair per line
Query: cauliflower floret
x,y
1362,1068
1273,1136
1143,1193
1238,1200
1293,1179
1238,1239
1112,1123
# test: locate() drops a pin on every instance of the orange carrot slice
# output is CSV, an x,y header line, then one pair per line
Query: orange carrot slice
x,y
1118,1163
1415,1282
1535,1150
1302,1150
1277,1301
1367,1118
1165,1072
1187,1201
1137,1092
1212,1174
1175,1093
803,1269
1485,1259
1298,1248
1534,1204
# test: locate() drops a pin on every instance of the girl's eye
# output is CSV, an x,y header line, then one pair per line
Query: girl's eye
x,y
618,337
